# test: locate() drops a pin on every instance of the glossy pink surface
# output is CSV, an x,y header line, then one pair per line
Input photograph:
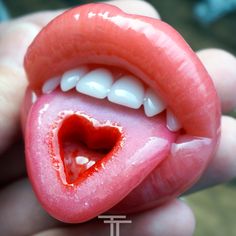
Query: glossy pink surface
x,y
111,179
152,51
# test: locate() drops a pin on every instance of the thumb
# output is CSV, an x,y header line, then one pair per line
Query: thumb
x,y
15,37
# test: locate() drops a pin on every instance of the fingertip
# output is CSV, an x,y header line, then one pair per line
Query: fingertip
x,y
223,166
221,65
172,219
225,162
180,218
136,7
14,42
21,213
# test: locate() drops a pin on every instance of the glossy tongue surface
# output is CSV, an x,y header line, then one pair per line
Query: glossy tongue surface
x,y
84,155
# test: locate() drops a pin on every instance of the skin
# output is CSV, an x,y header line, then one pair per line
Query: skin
x,y
17,201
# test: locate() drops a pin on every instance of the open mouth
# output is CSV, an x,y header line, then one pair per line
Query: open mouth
x,y
122,108
81,143
119,88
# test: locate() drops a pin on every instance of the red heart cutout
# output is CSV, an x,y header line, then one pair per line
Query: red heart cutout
x,y
82,144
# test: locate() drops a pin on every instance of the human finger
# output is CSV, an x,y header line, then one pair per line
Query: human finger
x,y
12,164
221,65
21,213
136,7
223,166
172,219
19,207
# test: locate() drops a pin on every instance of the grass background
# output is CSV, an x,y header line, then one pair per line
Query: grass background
x,y
215,208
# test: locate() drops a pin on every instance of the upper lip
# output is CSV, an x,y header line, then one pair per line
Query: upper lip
x,y
148,48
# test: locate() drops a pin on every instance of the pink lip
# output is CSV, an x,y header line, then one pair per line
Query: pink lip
x,y
155,53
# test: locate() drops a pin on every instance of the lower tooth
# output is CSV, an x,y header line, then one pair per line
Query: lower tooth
x,y
171,121
91,163
81,160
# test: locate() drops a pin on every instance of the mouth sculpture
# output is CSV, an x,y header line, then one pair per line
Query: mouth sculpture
x,y
122,112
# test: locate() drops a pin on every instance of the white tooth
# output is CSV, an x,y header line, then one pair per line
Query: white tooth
x,y
71,77
127,91
153,104
50,85
33,97
96,83
171,121
91,163
81,160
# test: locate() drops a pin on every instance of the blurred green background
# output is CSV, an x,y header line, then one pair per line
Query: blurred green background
x,y
215,208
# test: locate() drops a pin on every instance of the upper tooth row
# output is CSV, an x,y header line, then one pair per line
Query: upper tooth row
x,y
100,83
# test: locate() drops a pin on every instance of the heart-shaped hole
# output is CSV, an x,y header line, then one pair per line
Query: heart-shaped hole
x,y
82,143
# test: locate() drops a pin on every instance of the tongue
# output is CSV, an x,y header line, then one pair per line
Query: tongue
x,y
84,155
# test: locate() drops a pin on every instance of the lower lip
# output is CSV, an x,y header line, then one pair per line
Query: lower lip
x,y
111,178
